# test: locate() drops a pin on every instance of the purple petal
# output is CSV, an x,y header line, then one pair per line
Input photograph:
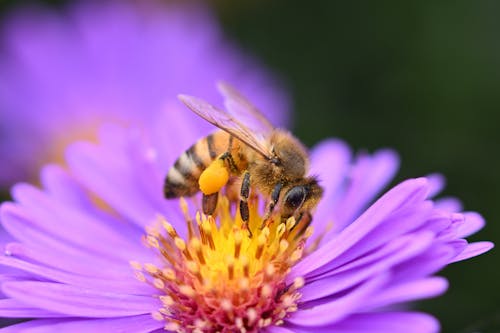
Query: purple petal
x,y
403,221
449,204
64,188
330,161
140,176
339,307
20,225
278,329
458,245
402,195
345,277
77,227
436,222
472,224
406,292
394,322
11,308
423,265
127,283
132,324
121,180
77,301
473,250
59,184
103,175
450,232
183,138
369,176
436,184
95,266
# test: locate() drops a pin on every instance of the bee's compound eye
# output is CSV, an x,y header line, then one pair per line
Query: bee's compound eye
x,y
295,197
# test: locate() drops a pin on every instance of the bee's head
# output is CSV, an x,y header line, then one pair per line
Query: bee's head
x,y
304,195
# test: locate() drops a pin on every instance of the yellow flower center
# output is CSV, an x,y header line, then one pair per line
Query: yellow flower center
x,y
221,279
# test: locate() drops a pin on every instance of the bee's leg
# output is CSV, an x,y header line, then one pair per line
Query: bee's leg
x,y
303,221
209,203
244,193
228,158
275,195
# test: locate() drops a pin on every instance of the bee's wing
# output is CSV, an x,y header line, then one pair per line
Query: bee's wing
x,y
240,108
228,123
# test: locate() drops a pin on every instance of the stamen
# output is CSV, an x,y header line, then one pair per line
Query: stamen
x,y
196,246
298,283
238,238
135,265
168,274
167,300
283,246
179,242
269,271
151,268
296,255
226,305
187,290
281,230
261,241
157,316
290,223
181,245
195,270
158,283
251,315
169,228
172,326
245,265
152,242
140,276
207,230
230,267
219,278
266,291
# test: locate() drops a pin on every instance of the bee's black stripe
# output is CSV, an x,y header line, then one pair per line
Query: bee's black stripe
x,y
172,190
191,153
175,190
230,143
211,148
184,170
228,157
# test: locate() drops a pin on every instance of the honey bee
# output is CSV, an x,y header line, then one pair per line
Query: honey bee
x,y
247,146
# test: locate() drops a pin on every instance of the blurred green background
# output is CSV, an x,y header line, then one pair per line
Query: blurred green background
x,y
421,77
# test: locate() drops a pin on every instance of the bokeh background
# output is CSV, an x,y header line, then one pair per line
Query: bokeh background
x,y
422,77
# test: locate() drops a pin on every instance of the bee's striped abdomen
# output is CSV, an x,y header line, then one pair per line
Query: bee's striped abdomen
x,y
182,178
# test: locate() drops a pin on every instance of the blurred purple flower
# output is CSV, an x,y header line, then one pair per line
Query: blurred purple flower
x,y
62,74
80,266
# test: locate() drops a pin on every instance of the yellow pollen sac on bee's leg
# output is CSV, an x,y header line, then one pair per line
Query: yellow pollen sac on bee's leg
x,y
214,177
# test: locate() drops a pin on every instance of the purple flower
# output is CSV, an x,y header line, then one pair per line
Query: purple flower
x,y
98,248
62,74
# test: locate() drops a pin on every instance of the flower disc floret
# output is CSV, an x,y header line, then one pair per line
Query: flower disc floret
x,y
223,278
